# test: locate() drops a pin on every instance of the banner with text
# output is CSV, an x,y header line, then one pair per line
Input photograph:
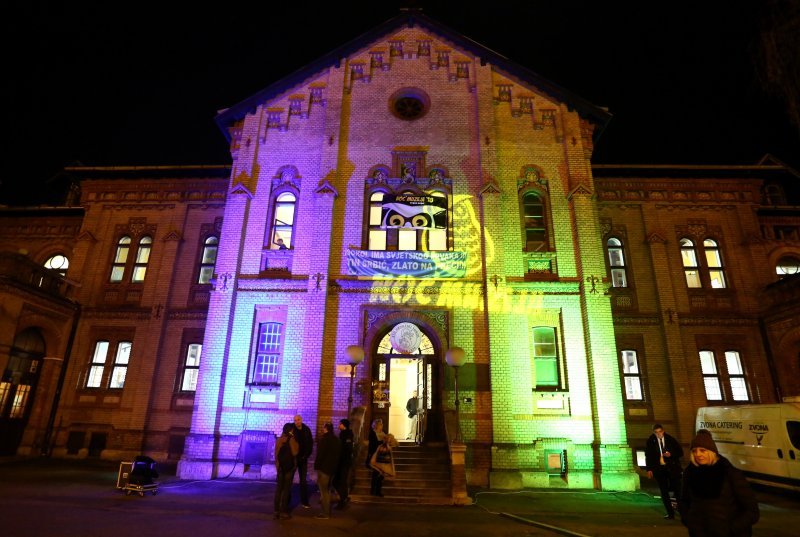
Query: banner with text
x,y
407,263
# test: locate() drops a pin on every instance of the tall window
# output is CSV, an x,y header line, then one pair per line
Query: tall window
x,y
631,375
283,221
191,367
266,365
98,364
533,215
545,357
377,234
120,259
716,271
616,260
208,259
142,258
708,365
120,369
58,262
395,225
736,376
690,267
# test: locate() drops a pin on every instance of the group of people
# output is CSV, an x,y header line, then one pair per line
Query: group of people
x,y
332,464
712,497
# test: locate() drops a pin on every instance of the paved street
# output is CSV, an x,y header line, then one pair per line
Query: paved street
x,y
78,498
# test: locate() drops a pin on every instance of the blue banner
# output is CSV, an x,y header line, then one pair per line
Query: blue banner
x,y
407,263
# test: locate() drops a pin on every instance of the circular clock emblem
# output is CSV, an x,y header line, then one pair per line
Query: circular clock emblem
x,y
405,338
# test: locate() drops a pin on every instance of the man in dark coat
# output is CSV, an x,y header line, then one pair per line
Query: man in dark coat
x,y
325,464
663,459
342,480
286,450
306,442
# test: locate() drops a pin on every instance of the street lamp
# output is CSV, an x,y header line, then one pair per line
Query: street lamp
x,y
355,355
455,358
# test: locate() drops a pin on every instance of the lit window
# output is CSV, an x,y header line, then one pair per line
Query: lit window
x,y
708,365
533,214
142,258
396,225
377,235
545,357
191,367
120,369
616,260
631,375
787,266
96,368
716,271
5,388
208,260
690,266
58,263
269,350
283,221
736,376
20,400
120,259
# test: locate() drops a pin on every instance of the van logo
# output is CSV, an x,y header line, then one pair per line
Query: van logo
x,y
759,429
759,438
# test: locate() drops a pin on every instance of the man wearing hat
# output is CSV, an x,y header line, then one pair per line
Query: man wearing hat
x,y
716,498
663,459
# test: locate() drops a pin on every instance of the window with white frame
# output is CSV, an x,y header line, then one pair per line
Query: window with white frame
x,y
616,262
97,365
631,374
545,358
716,272
283,214
117,369
120,368
708,366
787,265
691,269
191,367
268,354
534,221
142,259
58,262
208,259
120,259
736,376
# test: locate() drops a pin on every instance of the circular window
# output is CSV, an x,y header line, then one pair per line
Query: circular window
x,y
787,266
409,103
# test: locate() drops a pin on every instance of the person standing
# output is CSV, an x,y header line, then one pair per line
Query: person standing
x,y
663,460
306,442
412,407
286,450
325,464
342,479
716,499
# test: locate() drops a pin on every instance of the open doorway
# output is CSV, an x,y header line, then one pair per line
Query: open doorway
x,y
405,388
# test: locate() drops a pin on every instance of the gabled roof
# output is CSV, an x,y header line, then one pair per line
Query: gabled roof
x,y
411,19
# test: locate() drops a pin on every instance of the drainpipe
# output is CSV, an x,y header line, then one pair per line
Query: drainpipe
x,y
47,447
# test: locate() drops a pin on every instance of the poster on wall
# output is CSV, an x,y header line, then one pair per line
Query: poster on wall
x,y
407,263
414,211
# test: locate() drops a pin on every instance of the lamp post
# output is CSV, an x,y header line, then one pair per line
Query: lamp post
x,y
355,355
455,358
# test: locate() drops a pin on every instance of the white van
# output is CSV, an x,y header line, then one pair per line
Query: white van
x,y
761,440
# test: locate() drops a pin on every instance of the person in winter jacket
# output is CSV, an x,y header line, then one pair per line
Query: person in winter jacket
x,y
286,450
342,479
325,464
306,442
716,499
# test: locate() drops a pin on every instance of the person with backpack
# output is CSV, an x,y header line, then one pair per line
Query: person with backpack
x,y
286,450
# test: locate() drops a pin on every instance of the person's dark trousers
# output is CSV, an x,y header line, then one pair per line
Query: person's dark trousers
x,y
302,471
342,483
376,484
668,479
284,482
324,482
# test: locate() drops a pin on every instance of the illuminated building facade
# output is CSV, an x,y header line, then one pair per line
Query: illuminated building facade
x,y
409,193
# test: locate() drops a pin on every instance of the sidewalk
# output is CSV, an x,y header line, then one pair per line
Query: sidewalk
x,y
57,498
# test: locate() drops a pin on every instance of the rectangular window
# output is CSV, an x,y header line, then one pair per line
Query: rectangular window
x,y
407,239
736,376
708,365
191,367
98,364
5,387
545,357
377,239
268,354
437,240
120,369
20,400
631,375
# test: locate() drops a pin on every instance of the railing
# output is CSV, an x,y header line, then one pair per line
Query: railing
x,y
19,269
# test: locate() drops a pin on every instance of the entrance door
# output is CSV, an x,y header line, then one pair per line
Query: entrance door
x,y
17,387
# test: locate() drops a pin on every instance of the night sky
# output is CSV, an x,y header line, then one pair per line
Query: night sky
x,y
140,85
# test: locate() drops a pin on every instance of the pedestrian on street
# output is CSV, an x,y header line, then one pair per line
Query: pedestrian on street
x,y
325,464
286,450
342,479
306,442
663,460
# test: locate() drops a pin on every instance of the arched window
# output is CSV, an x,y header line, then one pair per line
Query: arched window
x,y
208,259
57,262
377,234
142,258
716,272
283,221
616,260
690,267
787,265
120,259
533,216
774,195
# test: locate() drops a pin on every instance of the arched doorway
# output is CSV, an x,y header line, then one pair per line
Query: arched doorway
x,y
406,364
17,387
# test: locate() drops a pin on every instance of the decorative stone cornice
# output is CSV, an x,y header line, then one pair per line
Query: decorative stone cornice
x,y
240,189
325,188
490,186
107,313
87,236
655,237
173,235
580,190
